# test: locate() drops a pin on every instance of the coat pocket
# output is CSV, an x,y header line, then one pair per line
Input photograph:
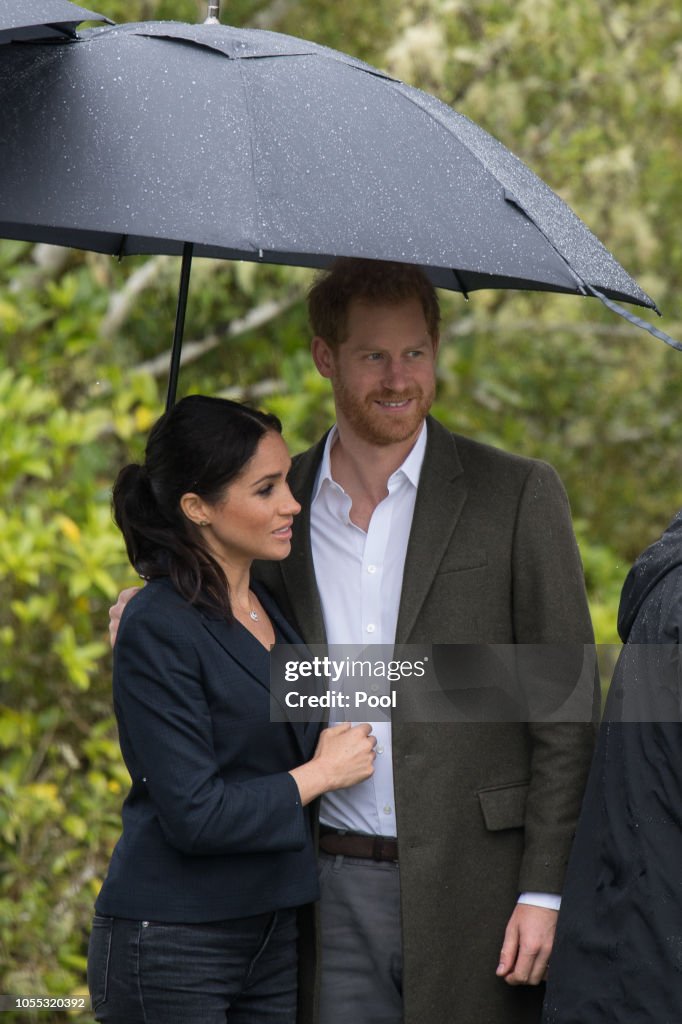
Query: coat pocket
x,y
504,806
458,561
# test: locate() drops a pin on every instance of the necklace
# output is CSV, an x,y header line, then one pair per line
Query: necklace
x,y
252,613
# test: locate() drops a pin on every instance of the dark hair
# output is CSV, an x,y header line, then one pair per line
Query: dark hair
x,y
200,445
372,281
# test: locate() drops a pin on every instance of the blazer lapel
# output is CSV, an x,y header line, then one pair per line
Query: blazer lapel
x,y
272,608
241,647
292,638
440,498
254,659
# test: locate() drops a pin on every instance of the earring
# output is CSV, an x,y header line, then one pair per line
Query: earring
x,y
203,522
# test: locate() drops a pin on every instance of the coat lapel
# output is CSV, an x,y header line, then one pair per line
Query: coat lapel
x,y
297,570
440,498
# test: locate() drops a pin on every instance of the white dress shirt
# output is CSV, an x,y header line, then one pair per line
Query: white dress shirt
x,y
359,578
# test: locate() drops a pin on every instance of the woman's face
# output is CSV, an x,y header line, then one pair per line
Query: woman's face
x,y
254,517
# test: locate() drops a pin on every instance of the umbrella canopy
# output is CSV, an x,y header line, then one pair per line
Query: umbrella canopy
x,y
161,137
42,19
259,146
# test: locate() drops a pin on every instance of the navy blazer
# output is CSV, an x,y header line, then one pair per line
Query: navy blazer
x,y
213,826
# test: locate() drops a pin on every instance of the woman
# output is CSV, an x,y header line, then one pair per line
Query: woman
x,y
196,920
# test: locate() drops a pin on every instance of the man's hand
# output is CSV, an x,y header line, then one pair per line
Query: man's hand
x,y
116,611
527,944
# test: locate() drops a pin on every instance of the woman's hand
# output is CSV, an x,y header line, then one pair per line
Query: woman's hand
x,y
344,756
347,753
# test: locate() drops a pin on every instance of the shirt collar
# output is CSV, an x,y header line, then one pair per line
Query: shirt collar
x,y
410,468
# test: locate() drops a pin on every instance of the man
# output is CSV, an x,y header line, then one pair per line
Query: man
x,y
414,535
620,931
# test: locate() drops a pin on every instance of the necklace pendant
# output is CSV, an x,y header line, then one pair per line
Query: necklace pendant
x,y
254,616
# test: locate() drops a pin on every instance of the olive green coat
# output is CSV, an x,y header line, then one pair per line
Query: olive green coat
x,y
484,811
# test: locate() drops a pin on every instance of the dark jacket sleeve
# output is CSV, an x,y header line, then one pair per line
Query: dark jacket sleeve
x,y
168,744
550,608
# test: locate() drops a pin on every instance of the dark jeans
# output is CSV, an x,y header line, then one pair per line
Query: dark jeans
x,y
241,971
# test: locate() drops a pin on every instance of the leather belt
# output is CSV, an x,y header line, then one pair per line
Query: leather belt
x,y
351,844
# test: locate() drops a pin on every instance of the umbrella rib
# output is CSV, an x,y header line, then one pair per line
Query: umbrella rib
x,y
587,288
198,44
255,198
635,320
366,69
402,87
63,30
406,91
583,286
513,200
460,283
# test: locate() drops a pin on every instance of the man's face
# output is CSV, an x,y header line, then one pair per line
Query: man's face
x,y
383,374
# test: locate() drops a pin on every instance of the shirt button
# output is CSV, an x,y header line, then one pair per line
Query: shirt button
x,y
380,750
388,809
371,627
371,568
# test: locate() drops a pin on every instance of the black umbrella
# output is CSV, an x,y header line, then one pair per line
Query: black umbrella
x,y
244,144
42,19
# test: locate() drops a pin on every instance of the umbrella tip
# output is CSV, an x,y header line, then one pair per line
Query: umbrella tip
x,y
213,13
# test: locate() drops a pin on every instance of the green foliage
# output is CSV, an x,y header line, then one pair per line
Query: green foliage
x,y
60,770
589,94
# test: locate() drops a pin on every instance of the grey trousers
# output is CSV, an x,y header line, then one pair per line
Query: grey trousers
x,y
361,952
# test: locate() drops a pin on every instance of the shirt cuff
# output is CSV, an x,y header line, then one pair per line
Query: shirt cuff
x,y
548,900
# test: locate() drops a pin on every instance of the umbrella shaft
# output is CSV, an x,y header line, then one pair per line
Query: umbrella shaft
x,y
213,13
174,372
